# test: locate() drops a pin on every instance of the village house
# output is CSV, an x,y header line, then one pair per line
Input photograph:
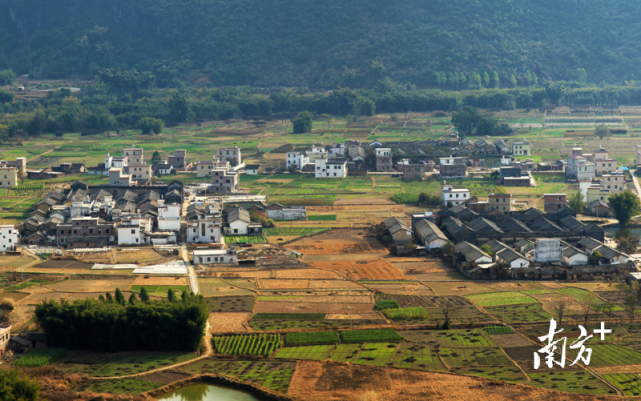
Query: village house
x,y
277,211
19,163
178,159
296,160
553,202
330,168
614,182
580,167
513,259
501,202
231,155
206,229
164,169
224,181
413,171
132,231
574,256
452,167
117,177
383,159
468,254
521,148
429,235
239,223
85,232
5,337
454,196
168,216
253,169
8,238
215,256
8,177
398,229
603,163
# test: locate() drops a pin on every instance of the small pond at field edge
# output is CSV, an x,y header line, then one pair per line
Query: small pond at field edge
x,y
207,392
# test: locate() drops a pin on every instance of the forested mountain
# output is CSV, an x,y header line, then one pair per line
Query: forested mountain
x,y
452,44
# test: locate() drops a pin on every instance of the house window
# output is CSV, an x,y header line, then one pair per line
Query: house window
x,y
208,259
133,231
136,239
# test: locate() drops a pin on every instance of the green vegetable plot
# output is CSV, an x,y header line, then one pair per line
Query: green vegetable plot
x,y
313,352
346,352
501,298
378,354
360,336
471,338
417,356
317,337
411,313
41,357
258,344
629,383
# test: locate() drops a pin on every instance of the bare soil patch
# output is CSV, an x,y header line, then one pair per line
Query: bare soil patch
x,y
548,302
8,262
91,285
143,255
95,295
401,289
510,340
312,307
229,322
340,247
280,283
21,315
230,304
355,316
405,301
16,296
306,273
212,287
244,274
48,296
363,270
459,288
515,286
165,377
64,264
333,284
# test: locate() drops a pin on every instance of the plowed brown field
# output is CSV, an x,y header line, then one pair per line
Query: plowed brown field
x,y
276,283
338,248
374,269
306,273
332,381
312,307
161,281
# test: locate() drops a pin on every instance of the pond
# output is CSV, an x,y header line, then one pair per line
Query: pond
x,y
612,231
207,392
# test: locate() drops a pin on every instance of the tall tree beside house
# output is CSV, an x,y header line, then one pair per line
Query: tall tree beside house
x,y
576,202
624,205
303,122
155,158
21,175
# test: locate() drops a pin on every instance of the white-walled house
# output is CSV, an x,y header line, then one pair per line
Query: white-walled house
x,y
164,168
8,238
456,196
297,159
315,153
430,235
573,256
131,231
168,216
238,221
514,259
330,168
213,256
205,230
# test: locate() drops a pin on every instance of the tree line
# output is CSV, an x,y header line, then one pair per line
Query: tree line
x,y
113,325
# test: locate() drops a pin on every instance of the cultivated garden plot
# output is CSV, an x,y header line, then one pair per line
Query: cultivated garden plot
x,y
520,313
501,298
112,365
307,273
474,357
610,355
230,304
417,356
298,305
629,383
572,381
213,287
346,352
466,338
378,354
91,285
312,352
274,375
256,344
502,373
118,386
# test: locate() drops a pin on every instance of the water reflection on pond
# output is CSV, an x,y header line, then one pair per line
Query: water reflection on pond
x,y
207,392
616,232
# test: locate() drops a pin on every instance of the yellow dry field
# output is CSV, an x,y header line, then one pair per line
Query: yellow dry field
x,y
549,302
401,289
600,286
317,299
281,283
515,286
35,299
306,273
459,288
421,269
277,239
229,322
333,284
143,255
91,285
152,280
355,316
213,287
304,307
245,274
8,262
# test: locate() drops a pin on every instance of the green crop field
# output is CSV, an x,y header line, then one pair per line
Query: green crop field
x,y
346,352
417,356
131,386
160,290
498,330
358,336
378,354
474,357
386,304
609,355
310,352
629,383
244,239
410,313
41,357
312,338
274,375
501,298
95,364
256,344
575,382
580,295
319,217
520,313
474,338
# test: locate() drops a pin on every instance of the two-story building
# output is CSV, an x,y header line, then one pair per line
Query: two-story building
x,y
580,168
215,256
315,152
178,159
168,216
500,202
603,162
231,155
132,231
329,167
117,177
297,160
455,196
206,229
452,167
521,148
224,181
413,171
553,202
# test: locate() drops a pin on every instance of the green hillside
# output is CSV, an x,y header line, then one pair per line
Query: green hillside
x,y
328,43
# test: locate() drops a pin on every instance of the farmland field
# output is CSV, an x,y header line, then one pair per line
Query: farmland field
x,y
41,357
378,354
358,336
311,352
474,338
160,290
474,357
501,298
520,313
629,383
575,382
345,352
417,356
244,239
118,386
316,337
257,344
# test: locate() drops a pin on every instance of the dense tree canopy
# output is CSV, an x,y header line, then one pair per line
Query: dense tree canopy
x,y
625,205
17,387
450,44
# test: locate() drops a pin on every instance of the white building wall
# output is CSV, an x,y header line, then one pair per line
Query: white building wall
x,y
238,227
8,238
436,244
548,250
324,169
297,159
211,234
578,259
